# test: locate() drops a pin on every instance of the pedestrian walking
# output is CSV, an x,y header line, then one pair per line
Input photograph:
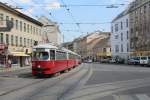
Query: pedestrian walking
x,y
9,63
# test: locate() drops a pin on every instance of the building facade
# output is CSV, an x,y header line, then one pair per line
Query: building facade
x,y
93,39
102,49
85,46
120,37
140,27
25,32
50,30
68,45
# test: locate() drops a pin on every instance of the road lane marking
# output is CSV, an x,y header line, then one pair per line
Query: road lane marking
x,y
123,97
117,82
99,93
142,97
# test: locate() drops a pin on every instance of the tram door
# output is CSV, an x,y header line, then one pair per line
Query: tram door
x,y
52,54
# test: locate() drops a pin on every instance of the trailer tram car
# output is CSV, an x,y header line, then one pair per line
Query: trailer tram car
x,y
48,59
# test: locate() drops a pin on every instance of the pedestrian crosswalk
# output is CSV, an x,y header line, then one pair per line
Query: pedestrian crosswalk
x,y
132,97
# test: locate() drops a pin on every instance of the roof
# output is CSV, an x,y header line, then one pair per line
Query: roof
x,y
103,43
69,51
50,46
8,8
123,13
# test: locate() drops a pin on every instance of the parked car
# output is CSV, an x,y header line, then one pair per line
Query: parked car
x,y
112,61
145,60
89,61
120,60
134,61
105,60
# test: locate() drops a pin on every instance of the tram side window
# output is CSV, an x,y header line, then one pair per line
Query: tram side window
x,y
52,54
61,55
71,56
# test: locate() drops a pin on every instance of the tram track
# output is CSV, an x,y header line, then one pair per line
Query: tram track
x,y
107,89
73,86
55,80
13,90
104,93
56,84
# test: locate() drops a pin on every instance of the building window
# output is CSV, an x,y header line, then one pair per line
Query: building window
x,y
127,35
145,9
141,10
116,48
28,28
131,30
127,47
136,12
121,25
20,41
31,43
12,40
7,39
7,17
31,29
24,27
25,42
12,20
104,49
28,42
40,31
116,27
1,16
16,24
20,25
121,47
112,29
36,31
116,36
1,38
121,36
16,40
127,23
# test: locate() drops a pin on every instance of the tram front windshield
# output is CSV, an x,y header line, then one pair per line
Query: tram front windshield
x,y
40,55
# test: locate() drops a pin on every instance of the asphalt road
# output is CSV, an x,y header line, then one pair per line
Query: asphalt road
x,y
85,82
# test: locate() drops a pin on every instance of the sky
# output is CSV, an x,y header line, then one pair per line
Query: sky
x,y
74,21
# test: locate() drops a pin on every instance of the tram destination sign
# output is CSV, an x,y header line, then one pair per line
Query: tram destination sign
x,y
40,49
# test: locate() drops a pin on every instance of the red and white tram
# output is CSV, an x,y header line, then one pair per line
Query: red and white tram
x,y
49,59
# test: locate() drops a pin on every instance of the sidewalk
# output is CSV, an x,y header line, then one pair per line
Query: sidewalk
x,y
13,68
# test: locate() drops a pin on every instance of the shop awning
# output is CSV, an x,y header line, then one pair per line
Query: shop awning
x,y
19,54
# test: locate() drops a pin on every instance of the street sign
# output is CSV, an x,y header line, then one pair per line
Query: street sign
x,y
6,25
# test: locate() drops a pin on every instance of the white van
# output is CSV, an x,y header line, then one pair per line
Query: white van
x,y
145,60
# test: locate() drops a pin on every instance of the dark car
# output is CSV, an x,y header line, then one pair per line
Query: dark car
x,y
111,61
105,60
134,61
120,60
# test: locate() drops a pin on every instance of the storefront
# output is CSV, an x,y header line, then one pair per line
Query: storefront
x,y
20,59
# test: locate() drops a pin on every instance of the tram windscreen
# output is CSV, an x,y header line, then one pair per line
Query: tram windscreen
x,y
40,55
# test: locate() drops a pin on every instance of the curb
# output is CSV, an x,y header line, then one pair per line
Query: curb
x,y
13,69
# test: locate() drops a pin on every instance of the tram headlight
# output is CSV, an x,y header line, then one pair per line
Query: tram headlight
x,y
38,66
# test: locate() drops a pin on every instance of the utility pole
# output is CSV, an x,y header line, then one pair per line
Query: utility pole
x,y
63,38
